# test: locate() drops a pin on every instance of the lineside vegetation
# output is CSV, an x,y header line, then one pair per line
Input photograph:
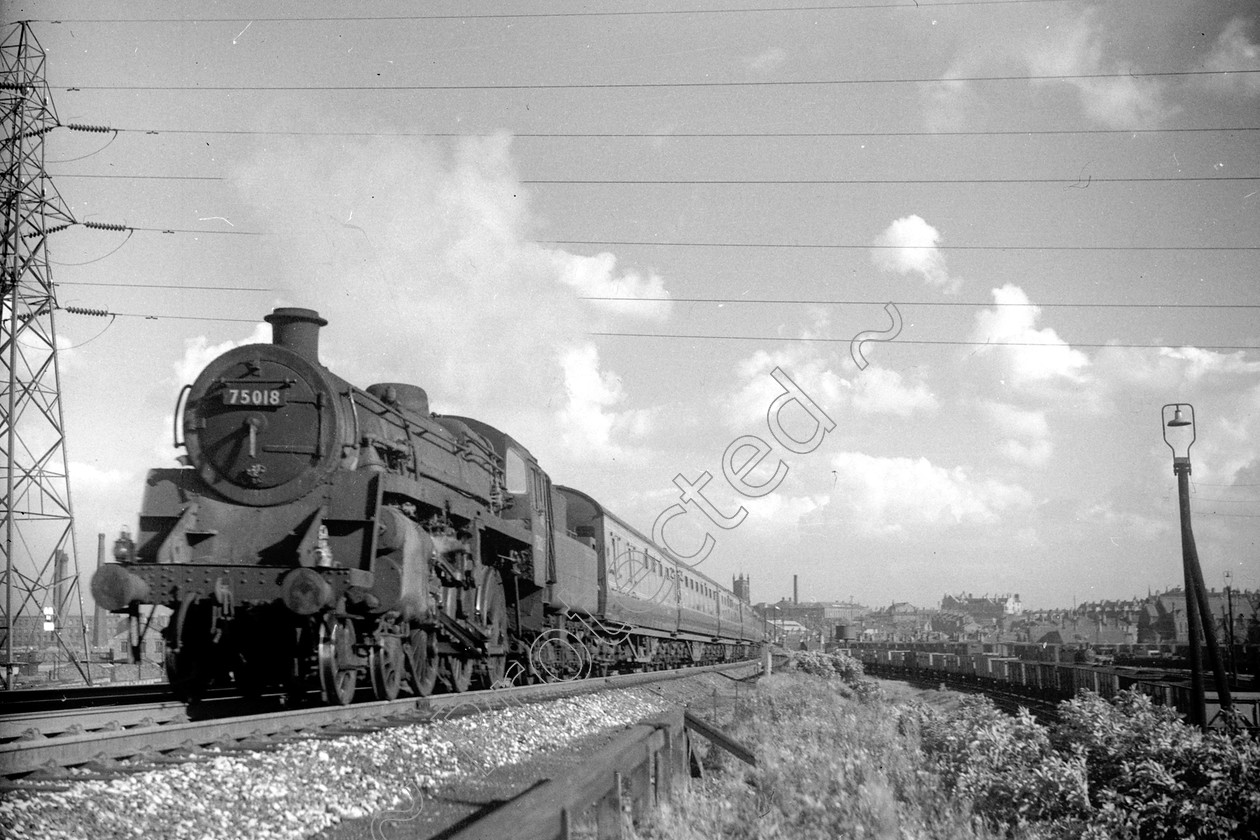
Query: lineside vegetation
x,y
837,757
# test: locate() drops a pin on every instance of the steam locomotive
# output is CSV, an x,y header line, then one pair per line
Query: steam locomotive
x,y
316,533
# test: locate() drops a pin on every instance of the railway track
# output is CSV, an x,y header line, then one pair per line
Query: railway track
x,y
31,700
103,736
1008,701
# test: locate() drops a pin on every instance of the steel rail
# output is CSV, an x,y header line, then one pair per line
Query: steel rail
x,y
51,724
18,758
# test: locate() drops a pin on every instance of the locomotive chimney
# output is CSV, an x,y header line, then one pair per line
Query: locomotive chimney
x,y
297,329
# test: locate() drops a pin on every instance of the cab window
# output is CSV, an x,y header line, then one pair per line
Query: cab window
x,y
517,479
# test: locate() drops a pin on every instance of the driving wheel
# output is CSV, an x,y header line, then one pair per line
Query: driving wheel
x,y
495,619
455,673
338,667
188,649
422,661
387,665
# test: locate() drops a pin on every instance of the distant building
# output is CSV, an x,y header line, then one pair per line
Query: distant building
x,y
898,622
787,633
991,610
819,619
29,632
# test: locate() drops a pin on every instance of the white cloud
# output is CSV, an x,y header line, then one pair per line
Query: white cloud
x,y
909,246
1234,50
1025,433
889,495
878,390
768,61
783,510
874,390
103,499
953,105
199,352
596,277
747,406
100,480
1126,525
1080,48
1014,321
587,421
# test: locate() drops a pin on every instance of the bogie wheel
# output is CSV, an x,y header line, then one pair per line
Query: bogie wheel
x,y
494,617
338,670
559,656
387,666
455,673
422,661
188,649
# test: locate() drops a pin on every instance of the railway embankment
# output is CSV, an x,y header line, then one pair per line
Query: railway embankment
x,y
841,755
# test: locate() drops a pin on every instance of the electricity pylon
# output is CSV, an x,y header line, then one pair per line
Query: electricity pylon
x,y
41,567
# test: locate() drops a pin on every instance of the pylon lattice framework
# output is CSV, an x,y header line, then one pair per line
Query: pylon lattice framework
x,y
41,568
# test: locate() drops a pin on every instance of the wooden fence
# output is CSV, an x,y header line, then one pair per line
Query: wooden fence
x,y
632,775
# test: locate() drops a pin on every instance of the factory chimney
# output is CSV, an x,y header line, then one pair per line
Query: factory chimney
x,y
61,571
795,592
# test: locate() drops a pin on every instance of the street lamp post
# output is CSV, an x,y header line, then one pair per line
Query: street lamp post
x,y
1198,612
1229,626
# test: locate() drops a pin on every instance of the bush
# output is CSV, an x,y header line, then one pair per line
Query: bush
x,y
820,664
1004,766
1152,776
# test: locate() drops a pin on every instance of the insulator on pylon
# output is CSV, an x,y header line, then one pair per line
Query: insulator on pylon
x,y
82,310
46,231
99,129
105,226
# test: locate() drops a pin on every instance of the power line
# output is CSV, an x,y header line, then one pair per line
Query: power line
x,y
171,286
61,175
1198,498
865,246
763,83
770,339
526,15
1069,180
690,135
185,318
971,304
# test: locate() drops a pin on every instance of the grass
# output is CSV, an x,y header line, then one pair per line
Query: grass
x,y
832,762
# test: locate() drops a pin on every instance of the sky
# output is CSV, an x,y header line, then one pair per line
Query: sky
x,y
984,242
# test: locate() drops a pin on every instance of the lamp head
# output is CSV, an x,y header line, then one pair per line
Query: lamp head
x,y
1179,421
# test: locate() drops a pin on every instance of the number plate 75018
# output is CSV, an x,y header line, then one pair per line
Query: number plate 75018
x,y
254,394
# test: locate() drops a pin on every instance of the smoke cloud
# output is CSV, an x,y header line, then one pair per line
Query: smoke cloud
x,y
422,258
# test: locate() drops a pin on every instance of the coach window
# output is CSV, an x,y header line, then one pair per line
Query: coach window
x,y
517,480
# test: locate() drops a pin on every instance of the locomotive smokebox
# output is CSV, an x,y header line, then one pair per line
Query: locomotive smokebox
x,y
297,329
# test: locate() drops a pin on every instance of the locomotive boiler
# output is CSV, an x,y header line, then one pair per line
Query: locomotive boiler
x,y
315,533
